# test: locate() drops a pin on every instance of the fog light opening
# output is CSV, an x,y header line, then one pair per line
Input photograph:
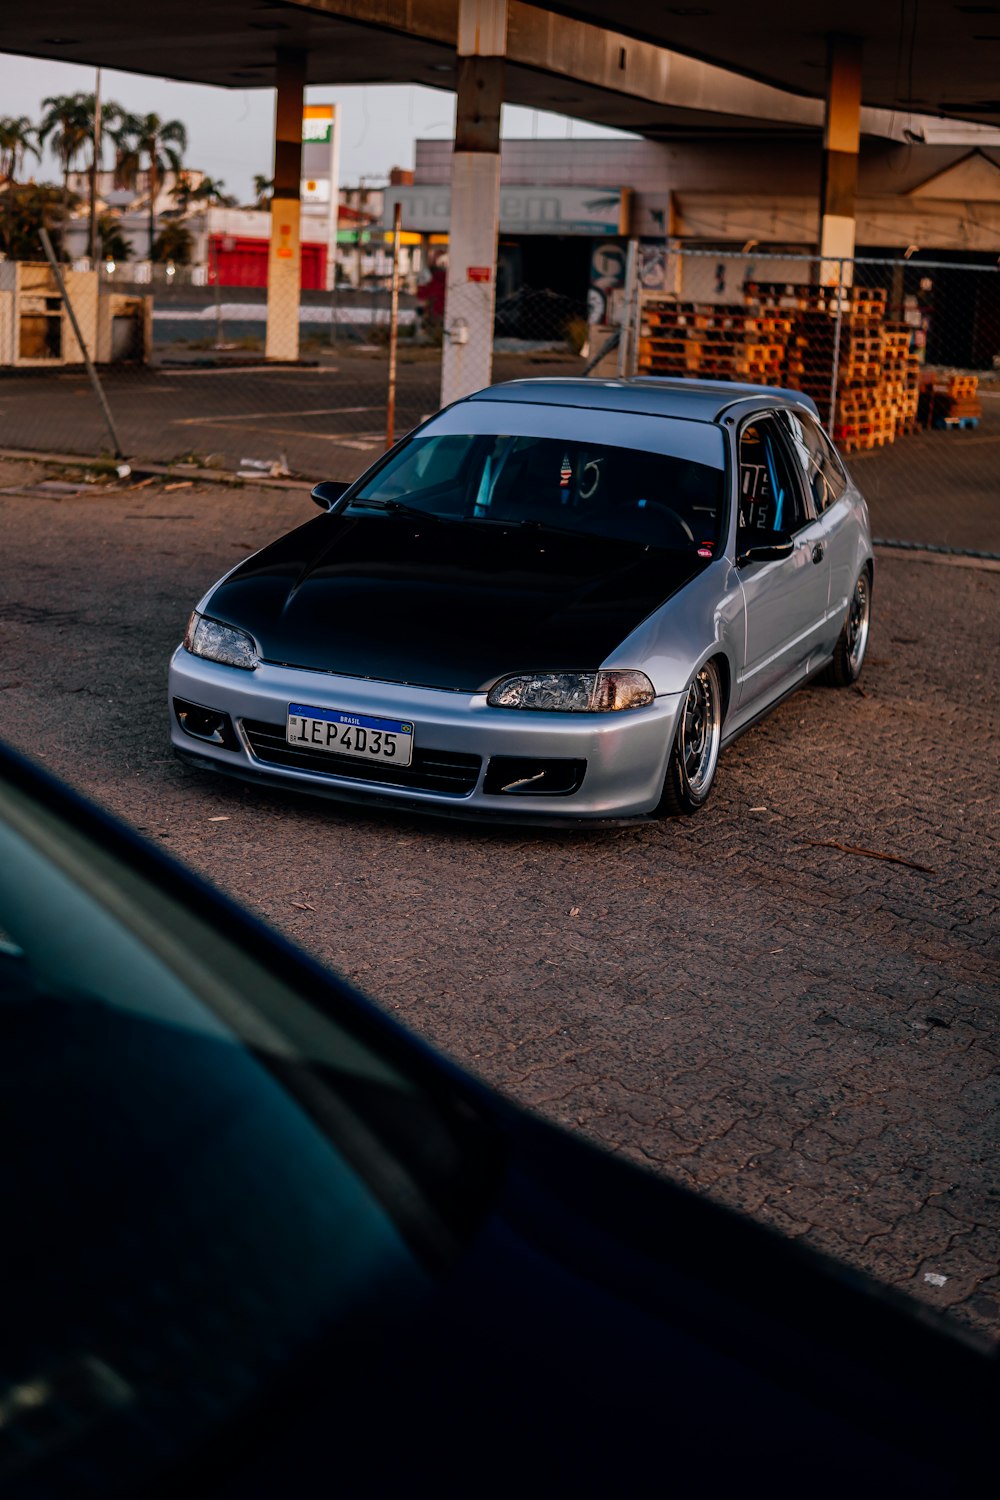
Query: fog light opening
x,y
210,725
519,776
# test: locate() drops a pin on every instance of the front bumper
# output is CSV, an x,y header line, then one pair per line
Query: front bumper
x,y
625,753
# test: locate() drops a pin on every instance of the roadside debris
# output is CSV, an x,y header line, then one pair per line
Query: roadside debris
x,y
895,859
274,468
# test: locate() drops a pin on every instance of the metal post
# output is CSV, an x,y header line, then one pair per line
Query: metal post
x,y
98,388
93,171
835,373
390,409
218,299
631,282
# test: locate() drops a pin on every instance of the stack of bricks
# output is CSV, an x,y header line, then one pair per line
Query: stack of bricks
x,y
950,401
787,335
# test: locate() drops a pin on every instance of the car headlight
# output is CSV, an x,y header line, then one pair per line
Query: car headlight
x,y
218,642
573,692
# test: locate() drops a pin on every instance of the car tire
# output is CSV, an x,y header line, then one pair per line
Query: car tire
x,y
694,754
849,652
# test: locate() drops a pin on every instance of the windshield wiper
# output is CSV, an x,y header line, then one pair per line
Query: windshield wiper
x,y
398,507
529,522
534,525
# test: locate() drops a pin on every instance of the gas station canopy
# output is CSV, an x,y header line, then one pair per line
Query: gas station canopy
x,y
590,59
923,56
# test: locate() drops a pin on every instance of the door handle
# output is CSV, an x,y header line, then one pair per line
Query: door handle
x,y
818,552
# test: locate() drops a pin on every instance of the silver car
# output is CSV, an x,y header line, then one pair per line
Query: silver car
x,y
555,600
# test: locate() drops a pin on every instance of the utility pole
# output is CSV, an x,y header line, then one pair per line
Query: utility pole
x,y
93,170
390,416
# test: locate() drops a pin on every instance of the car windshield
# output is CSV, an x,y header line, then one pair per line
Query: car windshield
x,y
206,1170
626,494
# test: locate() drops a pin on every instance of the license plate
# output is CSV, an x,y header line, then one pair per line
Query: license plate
x,y
350,734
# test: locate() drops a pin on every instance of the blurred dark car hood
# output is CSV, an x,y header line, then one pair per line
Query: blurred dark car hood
x,y
444,604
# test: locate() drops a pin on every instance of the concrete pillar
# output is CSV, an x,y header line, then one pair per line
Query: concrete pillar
x,y
470,293
841,140
284,264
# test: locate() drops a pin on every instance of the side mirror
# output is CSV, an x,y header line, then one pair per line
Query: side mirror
x,y
328,492
779,544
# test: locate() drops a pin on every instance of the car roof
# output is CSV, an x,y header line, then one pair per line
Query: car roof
x,y
651,395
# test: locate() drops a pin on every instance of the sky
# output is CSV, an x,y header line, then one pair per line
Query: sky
x,y
230,131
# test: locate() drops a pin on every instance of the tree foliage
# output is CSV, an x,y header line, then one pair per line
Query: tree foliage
x,y
174,242
27,208
210,191
161,145
111,239
17,138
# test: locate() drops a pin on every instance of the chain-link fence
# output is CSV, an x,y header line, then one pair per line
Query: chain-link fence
x,y
902,358
185,362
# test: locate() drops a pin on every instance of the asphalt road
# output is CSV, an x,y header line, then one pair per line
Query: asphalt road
x,y
799,1029
328,419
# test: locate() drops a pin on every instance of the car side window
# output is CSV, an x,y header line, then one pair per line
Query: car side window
x,y
821,470
770,496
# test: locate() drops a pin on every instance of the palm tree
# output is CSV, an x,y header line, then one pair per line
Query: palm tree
x,y
183,191
212,190
174,243
162,143
121,134
66,121
99,124
114,245
262,188
17,138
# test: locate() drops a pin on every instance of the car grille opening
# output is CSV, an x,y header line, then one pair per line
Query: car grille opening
x,y
517,776
442,771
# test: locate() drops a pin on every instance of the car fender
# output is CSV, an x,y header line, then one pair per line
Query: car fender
x,y
705,618
859,547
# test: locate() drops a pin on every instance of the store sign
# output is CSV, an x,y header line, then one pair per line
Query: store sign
x,y
479,273
317,124
320,176
315,190
523,210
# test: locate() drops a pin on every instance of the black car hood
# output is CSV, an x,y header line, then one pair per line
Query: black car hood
x,y
444,604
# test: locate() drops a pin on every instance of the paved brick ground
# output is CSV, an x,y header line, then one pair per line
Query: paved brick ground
x,y
808,1034
938,486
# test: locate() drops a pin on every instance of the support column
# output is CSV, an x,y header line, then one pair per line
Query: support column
x,y
841,140
284,264
470,293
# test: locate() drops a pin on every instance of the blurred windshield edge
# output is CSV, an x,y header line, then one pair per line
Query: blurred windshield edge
x,y
673,437
417,1144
